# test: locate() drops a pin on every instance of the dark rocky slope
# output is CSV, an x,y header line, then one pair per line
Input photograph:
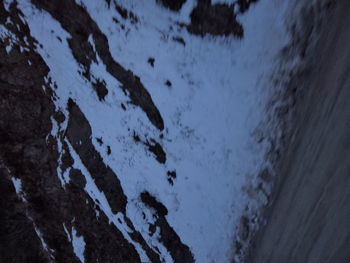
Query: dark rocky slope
x,y
309,217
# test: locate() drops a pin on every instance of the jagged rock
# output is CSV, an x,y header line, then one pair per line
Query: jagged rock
x,y
168,237
217,20
80,28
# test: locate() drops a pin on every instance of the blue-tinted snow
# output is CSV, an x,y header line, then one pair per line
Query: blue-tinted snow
x,y
220,87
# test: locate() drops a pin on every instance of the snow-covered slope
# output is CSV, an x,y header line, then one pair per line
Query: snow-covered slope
x,y
174,117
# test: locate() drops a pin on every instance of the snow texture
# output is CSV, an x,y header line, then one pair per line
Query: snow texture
x,y
17,183
78,245
217,97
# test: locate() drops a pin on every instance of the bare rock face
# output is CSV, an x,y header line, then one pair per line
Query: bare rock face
x,y
38,226
179,251
218,19
19,241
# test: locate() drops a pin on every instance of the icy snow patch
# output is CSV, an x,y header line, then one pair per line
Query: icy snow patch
x,y
17,183
78,245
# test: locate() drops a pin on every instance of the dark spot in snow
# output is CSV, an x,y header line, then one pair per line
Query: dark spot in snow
x,y
180,24
153,147
168,83
151,61
133,18
109,151
174,5
136,137
99,140
125,92
244,5
180,40
100,88
152,229
157,150
152,202
122,11
125,14
171,174
170,181
123,106
59,39
108,2
161,136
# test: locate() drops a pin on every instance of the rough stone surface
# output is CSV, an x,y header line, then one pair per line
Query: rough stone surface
x,y
217,20
29,153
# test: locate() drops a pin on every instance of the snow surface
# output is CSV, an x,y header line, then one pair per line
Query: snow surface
x,y
78,245
17,183
220,87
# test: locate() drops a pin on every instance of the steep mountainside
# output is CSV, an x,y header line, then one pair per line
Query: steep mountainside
x,y
136,131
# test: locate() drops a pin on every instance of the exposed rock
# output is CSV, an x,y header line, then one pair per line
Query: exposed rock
x,y
125,14
66,158
109,151
151,201
172,174
79,135
217,20
59,117
77,178
168,237
19,241
29,153
100,88
157,150
168,83
76,20
153,146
